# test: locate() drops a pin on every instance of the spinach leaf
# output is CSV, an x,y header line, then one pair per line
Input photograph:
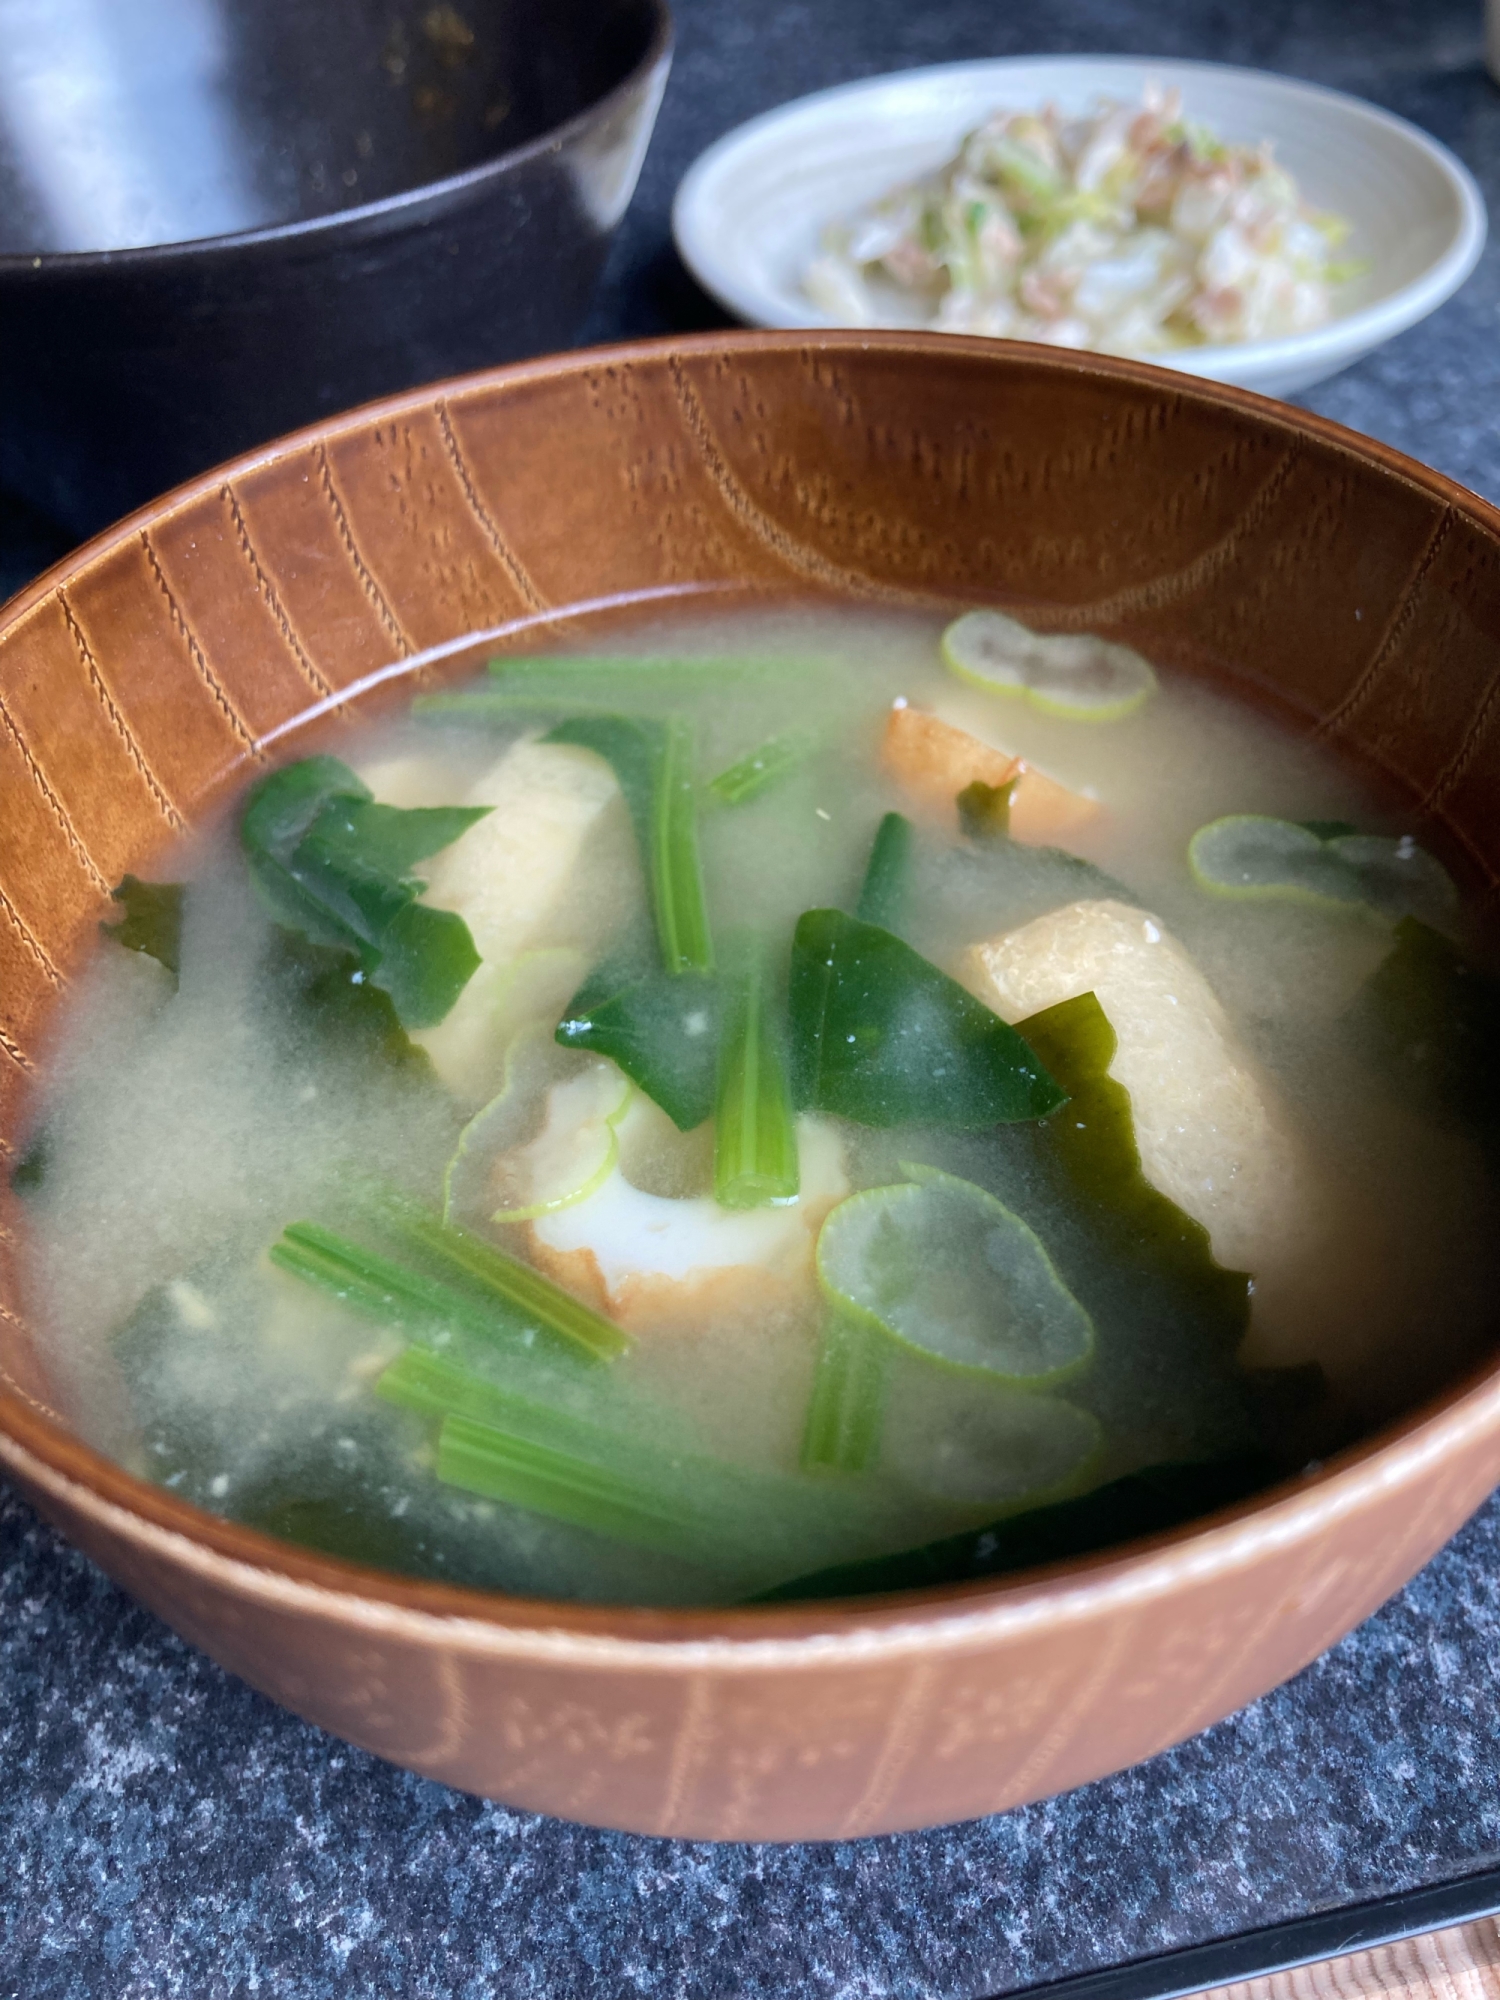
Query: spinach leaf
x,y
661,1028
331,863
881,1036
887,873
152,922
284,805
389,840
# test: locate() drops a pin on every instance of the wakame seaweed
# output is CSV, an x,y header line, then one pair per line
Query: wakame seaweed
x,y
1096,1148
1430,1020
984,810
1148,1502
332,864
152,922
28,1176
330,989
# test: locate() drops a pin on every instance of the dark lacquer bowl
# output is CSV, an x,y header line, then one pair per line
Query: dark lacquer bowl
x,y
220,221
1235,539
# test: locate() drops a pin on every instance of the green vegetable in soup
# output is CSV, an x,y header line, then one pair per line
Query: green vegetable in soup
x,y
984,810
152,922
502,1466
653,763
1431,1020
755,1139
607,1472
975,1444
595,685
881,1036
841,1429
534,1455
882,895
29,1173
758,770
329,862
661,1028
497,1276
942,1270
482,1292
331,989
1148,1502
381,1289
1321,862
949,1272
1072,674
1096,1149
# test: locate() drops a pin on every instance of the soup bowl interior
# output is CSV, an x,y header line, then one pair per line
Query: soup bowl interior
x,y
259,610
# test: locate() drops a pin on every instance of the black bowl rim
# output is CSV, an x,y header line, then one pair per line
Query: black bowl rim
x,y
658,53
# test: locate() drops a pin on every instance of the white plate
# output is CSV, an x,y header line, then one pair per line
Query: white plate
x,y
750,211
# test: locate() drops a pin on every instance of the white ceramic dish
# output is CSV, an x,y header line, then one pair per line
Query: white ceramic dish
x,y
750,211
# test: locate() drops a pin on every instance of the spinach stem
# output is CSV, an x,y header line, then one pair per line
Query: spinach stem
x,y
676,870
501,1466
384,1290
755,1136
508,1447
505,1279
498,1298
653,761
758,770
847,1405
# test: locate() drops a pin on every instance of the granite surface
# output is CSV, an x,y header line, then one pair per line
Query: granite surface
x,y
165,1832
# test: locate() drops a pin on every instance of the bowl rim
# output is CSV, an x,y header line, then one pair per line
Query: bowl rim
x,y
1345,335
660,46
49,1457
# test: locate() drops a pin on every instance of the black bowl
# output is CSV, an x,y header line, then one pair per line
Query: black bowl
x,y
222,219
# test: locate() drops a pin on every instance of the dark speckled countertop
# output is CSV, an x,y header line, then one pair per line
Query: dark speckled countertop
x,y
164,1832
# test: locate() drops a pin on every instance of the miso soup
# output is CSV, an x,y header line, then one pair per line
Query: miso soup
x,y
800,1103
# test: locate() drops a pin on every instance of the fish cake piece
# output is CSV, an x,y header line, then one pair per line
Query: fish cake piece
x,y
1213,1134
552,863
935,760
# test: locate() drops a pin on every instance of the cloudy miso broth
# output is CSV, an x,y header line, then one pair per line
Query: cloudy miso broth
x,y
809,1101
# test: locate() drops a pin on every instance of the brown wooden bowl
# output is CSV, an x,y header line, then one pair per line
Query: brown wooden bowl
x,y
1226,535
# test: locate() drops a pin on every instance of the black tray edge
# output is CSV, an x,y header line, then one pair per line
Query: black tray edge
x,y
1281,1947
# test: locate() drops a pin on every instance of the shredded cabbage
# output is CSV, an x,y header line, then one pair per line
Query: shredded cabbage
x,y
1130,231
